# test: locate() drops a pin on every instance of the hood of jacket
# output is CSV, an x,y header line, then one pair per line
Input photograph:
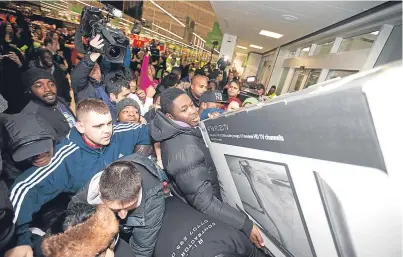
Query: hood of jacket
x,y
24,128
162,128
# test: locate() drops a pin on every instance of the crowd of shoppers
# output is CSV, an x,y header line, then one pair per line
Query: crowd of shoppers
x,y
116,171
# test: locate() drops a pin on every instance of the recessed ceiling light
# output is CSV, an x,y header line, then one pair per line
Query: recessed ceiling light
x,y
288,17
270,34
375,33
242,47
255,46
306,49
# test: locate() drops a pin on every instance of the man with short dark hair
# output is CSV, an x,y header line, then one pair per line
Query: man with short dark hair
x,y
272,92
190,76
48,43
197,88
177,71
117,86
188,162
132,188
41,86
90,146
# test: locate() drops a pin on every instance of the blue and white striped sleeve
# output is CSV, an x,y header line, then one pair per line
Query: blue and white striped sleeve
x,y
133,134
35,187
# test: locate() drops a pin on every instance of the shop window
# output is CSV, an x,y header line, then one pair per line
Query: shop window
x,y
304,51
292,54
323,48
282,80
312,78
339,73
360,42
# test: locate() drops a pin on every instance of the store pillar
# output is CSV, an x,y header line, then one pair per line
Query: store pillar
x,y
228,45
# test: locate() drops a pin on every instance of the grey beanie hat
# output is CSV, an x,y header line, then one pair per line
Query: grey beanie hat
x,y
126,102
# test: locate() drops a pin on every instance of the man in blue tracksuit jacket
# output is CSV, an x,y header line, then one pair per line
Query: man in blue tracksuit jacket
x,y
91,145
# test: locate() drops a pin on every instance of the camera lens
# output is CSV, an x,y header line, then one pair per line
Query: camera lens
x,y
114,52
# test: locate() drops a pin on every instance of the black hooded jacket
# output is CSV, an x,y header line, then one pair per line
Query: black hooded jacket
x,y
21,129
185,231
52,115
6,209
192,171
195,100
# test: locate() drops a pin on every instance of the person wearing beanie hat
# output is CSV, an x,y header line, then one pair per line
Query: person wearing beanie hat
x,y
250,101
46,62
188,162
128,110
41,86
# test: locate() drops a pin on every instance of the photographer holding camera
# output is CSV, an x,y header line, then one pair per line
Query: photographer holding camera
x,y
87,81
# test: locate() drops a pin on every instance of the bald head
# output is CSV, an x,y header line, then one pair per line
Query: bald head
x,y
199,85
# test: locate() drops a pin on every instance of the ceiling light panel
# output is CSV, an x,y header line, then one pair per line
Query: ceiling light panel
x,y
270,34
255,46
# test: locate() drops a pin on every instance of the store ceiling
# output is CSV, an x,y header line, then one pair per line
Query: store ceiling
x,y
199,11
271,15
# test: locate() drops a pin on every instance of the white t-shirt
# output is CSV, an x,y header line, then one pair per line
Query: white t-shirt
x,y
143,107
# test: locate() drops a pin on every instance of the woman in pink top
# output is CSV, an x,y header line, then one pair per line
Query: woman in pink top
x,y
147,73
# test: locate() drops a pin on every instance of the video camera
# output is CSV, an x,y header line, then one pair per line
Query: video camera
x,y
222,64
155,52
94,22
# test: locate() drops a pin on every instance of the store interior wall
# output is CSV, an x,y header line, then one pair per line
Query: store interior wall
x,y
392,51
239,61
252,65
278,67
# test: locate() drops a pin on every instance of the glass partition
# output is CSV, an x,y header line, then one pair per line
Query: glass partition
x,y
339,73
358,42
323,48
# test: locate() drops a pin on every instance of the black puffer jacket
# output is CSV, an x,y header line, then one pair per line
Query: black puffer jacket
x,y
6,209
192,171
